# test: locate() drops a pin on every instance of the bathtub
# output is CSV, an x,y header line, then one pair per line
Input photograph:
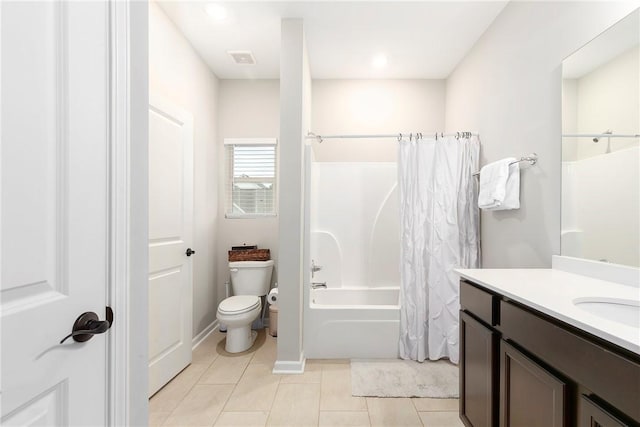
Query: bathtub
x,y
352,323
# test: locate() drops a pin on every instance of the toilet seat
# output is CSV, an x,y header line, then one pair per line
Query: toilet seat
x,y
239,304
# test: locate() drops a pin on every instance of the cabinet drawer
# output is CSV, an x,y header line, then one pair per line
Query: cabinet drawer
x,y
482,304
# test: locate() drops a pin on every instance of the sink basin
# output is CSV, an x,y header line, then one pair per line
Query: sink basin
x,y
625,311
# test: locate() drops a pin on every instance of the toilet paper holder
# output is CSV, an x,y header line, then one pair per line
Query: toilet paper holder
x,y
272,296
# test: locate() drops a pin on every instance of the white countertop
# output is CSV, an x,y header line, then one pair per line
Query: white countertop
x,y
552,292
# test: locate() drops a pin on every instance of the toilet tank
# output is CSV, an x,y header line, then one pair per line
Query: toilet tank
x,y
251,277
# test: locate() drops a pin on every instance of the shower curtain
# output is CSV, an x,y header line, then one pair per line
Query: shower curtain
x,y
439,225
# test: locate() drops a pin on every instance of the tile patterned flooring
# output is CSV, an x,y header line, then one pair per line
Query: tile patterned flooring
x,y
222,389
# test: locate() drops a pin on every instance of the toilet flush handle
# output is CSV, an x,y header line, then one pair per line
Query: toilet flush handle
x,y
233,270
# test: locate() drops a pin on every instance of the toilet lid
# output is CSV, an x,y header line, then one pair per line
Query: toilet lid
x,y
239,304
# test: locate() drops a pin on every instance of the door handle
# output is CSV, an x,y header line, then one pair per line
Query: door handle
x,y
87,325
190,252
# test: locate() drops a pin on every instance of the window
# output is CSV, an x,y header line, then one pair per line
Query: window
x,y
251,177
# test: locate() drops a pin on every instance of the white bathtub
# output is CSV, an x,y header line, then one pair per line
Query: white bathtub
x,y
352,323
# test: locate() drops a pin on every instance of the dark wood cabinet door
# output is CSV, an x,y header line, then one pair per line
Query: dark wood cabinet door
x,y
592,415
478,373
530,396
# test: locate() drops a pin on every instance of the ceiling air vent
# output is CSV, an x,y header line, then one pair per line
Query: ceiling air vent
x,y
242,57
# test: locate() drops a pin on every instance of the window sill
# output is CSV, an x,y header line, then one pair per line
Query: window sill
x,y
249,216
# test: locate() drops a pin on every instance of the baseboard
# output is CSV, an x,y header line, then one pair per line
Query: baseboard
x,y
290,366
197,340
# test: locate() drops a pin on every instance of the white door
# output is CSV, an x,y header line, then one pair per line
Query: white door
x,y
54,209
170,237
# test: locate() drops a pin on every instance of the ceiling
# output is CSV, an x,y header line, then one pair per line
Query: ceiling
x,y
421,39
619,38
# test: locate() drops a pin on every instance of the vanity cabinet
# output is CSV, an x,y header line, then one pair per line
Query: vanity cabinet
x,y
522,368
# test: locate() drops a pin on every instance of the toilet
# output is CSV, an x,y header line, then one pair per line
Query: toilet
x,y
250,280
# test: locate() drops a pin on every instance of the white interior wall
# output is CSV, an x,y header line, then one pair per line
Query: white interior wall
x,y
508,88
178,74
246,109
608,98
373,107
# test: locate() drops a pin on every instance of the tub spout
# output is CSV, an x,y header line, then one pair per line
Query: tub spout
x,y
317,285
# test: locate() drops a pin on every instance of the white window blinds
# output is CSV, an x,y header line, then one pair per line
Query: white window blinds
x,y
251,177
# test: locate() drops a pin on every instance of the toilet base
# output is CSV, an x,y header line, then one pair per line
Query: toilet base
x,y
239,339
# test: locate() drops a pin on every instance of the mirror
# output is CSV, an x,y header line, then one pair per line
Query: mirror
x,y
601,147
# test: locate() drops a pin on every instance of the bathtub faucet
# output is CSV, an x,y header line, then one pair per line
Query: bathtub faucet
x,y
314,268
317,285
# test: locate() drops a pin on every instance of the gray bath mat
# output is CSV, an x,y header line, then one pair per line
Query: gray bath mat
x,y
403,378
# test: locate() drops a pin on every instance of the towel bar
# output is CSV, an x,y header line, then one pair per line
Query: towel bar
x,y
531,158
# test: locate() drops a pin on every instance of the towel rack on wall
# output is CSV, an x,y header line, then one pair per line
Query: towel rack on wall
x,y
531,158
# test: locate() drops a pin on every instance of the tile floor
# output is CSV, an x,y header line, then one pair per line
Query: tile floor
x,y
222,389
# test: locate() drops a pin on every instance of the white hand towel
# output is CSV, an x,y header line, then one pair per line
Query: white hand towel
x,y
512,190
500,185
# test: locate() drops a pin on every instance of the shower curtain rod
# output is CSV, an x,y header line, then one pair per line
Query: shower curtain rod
x,y
599,135
418,135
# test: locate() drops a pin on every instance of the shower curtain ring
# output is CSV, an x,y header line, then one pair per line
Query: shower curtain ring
x,y
400,137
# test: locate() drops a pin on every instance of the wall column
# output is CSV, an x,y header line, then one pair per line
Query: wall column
x,y
295,109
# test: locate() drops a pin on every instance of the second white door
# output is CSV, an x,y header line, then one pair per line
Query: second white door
x,y
170,240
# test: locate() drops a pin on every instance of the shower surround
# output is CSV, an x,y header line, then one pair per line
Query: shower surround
x,y
355,238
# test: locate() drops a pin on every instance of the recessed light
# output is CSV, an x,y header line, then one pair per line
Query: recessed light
x,y
379,61
216,11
